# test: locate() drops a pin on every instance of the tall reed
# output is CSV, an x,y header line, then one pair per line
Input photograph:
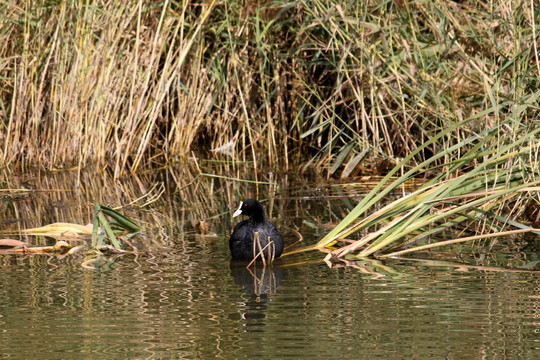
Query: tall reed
x,y
130,84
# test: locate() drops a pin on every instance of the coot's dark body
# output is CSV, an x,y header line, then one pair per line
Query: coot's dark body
x,y
241,241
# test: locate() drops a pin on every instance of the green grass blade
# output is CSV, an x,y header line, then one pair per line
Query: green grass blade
x,y
121,219
110,233
95,228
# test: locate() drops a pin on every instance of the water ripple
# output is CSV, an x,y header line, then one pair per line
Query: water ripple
x,y
192,305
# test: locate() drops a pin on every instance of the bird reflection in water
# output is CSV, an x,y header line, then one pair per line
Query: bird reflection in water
x,y
258,281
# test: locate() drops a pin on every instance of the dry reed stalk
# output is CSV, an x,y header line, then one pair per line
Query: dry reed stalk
x,y
258,251
124,84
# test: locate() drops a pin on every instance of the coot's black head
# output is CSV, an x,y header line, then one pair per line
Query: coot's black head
x,y
251,208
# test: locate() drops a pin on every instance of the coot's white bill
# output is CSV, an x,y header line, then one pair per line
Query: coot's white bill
x,y
239,211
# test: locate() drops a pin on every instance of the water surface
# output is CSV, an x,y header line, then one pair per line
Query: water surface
x,y
183,298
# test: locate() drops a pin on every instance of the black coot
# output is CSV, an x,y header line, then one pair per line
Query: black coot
x,y
241,241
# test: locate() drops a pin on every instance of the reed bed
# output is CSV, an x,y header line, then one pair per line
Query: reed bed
x,y
130,84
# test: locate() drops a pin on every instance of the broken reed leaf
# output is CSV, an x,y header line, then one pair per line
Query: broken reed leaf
x,y
457,241
120,223
59,247
110,233
122,220
96,238
58,229
11,243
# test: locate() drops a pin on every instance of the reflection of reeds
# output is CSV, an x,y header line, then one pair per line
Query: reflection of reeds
x,y
71,196
264,281
173,199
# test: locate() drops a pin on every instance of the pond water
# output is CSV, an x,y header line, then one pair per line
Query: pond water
x,y
183,298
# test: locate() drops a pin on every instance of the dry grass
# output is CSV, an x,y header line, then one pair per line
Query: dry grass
x,y
131,84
